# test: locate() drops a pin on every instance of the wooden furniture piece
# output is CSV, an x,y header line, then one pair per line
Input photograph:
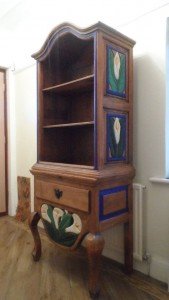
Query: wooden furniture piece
x,y
3,143
83,176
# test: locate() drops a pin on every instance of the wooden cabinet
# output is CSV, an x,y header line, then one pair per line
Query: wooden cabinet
x,y
83,175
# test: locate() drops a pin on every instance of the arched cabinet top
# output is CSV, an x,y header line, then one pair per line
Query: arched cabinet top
x,y
67,29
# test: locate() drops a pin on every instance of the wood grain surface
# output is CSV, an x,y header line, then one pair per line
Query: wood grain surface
x,y
114,202
70,196
3,150
61,275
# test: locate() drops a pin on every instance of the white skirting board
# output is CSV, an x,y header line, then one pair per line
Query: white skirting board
x,y
159,268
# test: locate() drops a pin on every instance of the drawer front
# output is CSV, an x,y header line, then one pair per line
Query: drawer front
x,y
113,202
63,195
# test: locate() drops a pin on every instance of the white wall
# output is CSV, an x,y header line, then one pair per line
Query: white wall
x,y
149,138
26,122
149,132
149,31
12,161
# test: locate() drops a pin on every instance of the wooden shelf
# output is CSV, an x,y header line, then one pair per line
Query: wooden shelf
x,y
72,86
66,102
64,165
70,125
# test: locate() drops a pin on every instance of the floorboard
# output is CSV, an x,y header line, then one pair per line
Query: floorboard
x,y
59,275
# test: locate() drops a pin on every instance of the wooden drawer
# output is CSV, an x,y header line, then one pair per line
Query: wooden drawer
x,y
63,195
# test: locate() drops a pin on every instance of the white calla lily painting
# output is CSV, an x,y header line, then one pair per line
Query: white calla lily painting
x,y
116,73
62,226
116,137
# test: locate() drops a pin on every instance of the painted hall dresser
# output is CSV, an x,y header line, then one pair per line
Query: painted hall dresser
x,y
83,175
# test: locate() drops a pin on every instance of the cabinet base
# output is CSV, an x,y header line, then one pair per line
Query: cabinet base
x,y
94,247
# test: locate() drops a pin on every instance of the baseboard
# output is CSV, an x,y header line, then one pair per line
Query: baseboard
x,y
158,269
3,214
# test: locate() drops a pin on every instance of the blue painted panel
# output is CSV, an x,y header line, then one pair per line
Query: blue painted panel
x,y
114,190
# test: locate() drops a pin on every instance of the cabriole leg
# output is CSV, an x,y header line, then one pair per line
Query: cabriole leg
x,y
33,221
128,247
94,245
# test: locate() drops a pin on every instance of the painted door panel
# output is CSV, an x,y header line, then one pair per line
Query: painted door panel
x,y
2,145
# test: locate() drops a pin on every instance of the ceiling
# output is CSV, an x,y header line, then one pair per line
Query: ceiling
x,y
121,12
7,5
25,24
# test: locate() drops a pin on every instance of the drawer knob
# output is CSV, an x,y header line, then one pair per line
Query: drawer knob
x,y
58,193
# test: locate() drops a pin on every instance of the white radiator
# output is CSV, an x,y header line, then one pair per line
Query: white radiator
x,y
115,241
138,221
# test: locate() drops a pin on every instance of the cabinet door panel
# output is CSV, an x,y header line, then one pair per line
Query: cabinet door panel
x,y
2,145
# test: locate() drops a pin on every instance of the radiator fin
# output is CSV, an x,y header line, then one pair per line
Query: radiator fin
x,y
138,221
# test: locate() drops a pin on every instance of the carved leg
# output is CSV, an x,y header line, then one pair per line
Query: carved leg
x,y
128,247
33,221
94,245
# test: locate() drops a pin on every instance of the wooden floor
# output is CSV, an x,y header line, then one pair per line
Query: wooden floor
x,y
60,275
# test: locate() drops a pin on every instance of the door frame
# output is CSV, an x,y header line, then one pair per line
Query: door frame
x,y
4,70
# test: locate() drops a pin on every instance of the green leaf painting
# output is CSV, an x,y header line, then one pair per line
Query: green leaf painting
x,y
116,137
116,73
62,227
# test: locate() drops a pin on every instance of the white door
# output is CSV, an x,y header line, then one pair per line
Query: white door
x,y
3,187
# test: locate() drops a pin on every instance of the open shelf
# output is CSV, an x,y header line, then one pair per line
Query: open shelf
x,y
70,58
70,145
72,86
66,107
70,124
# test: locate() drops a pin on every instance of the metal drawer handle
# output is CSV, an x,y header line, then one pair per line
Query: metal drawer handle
x,y
58,193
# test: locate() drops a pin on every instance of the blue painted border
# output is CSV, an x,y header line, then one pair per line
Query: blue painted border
x,y
115,115
108,91
114,190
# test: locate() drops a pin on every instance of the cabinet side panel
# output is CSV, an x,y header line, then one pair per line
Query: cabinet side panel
x,y
117,70
99,101
40,110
